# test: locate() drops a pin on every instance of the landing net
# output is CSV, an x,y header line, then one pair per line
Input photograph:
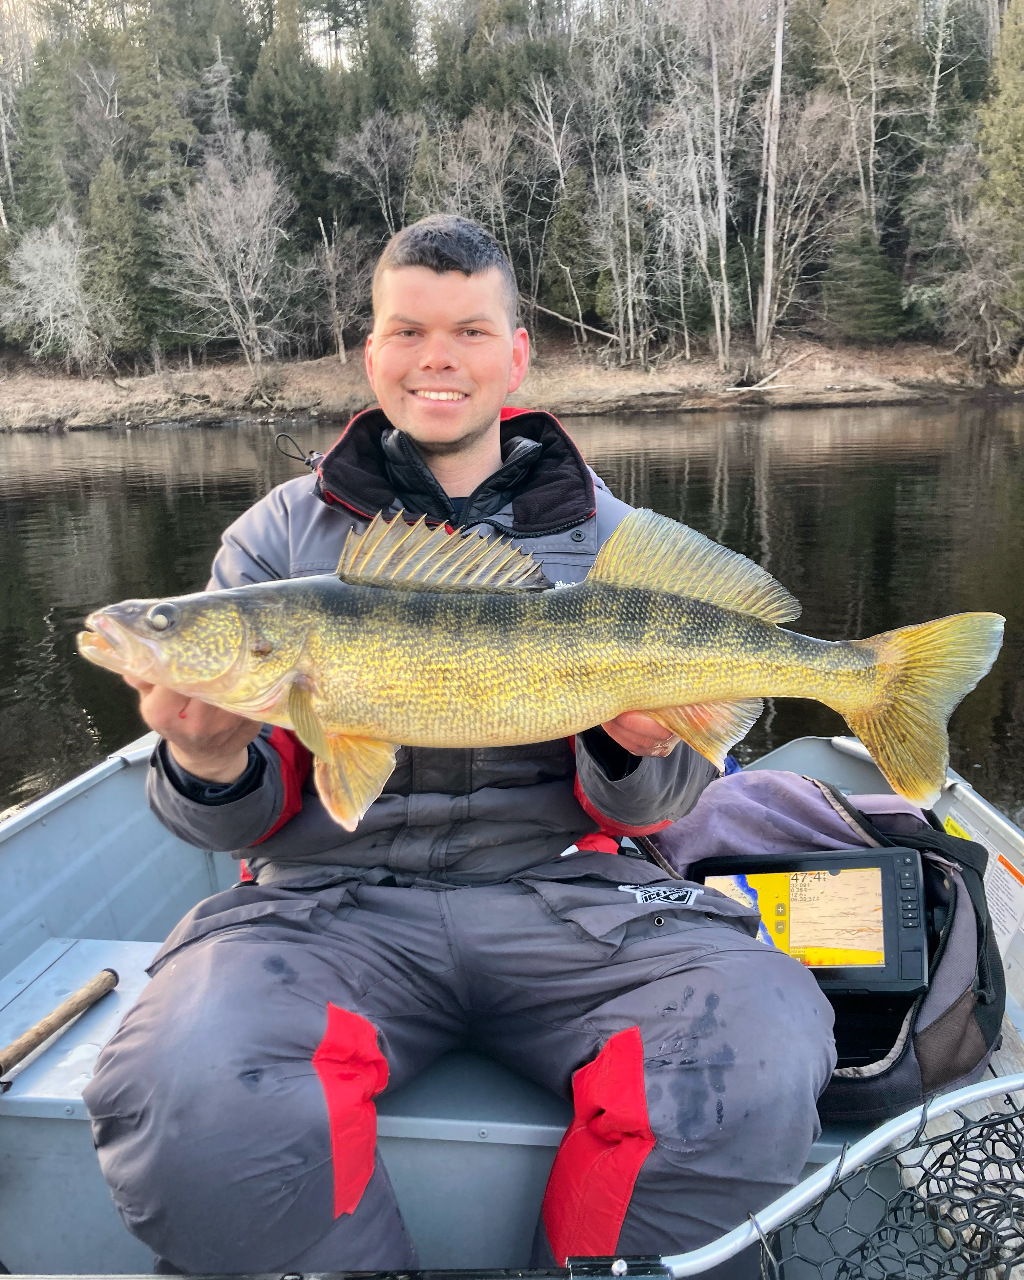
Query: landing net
x,y
945,1201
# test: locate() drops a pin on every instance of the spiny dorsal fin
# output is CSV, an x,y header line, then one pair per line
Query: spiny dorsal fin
x,y
410,556
652,551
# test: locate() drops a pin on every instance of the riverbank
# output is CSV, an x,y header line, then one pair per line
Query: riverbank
x,y
804,374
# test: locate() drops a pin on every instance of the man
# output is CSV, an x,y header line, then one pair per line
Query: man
x,y
481,900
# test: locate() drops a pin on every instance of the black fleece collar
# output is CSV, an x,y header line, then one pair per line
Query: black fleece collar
x,y
419,493
374,467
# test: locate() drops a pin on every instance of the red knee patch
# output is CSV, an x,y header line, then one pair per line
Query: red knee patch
x,y
601,1154
353,1071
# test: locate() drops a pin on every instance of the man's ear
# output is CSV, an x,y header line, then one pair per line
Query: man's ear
x,y
520,359
368,358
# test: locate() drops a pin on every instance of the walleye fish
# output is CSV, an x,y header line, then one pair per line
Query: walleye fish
x,y
428,638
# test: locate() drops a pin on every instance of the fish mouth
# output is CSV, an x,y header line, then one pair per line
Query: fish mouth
x,y
109,645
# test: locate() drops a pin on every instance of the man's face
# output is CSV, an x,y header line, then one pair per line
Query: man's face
x,y
443,356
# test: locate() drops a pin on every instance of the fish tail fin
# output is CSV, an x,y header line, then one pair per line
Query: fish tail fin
x,y
932,667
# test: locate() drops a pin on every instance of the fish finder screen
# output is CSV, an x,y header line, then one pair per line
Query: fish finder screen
x,y
821,918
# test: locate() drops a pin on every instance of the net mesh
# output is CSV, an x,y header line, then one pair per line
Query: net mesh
x,y
947,1201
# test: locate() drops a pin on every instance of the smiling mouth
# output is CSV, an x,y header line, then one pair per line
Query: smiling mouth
x,y
441,395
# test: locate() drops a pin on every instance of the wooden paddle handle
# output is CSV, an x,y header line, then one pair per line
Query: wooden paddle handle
x,y
76,1003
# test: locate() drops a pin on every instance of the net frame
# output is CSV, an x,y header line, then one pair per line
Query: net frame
x,y
937,1192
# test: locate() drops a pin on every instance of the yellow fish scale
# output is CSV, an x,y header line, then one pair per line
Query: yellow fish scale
x,y
463,670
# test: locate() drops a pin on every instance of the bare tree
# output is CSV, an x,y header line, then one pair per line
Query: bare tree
x,y
344,264
815,202
865,46
766,294
547,121
222,245
100,123
47,305
681,182
218,92
610,116
379,159
968,279
18,30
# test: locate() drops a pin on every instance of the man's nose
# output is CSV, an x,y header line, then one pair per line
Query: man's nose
x,y
437,353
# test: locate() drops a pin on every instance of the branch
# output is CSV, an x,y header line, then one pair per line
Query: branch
x,y
758,386
576,324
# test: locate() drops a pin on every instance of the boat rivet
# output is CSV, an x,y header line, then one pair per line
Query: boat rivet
x,y
69,1111
481,1133
578,535
619,1267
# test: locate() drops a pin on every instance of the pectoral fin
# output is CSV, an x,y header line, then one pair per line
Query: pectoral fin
x,y
305,721
350,772
711,728
351,775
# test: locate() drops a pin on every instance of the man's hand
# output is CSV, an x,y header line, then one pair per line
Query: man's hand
x,y
210,743
640,735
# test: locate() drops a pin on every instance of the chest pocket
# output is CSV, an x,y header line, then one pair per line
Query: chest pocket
x,y
460,772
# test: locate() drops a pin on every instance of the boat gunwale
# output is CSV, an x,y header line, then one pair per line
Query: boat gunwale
x,y
24,816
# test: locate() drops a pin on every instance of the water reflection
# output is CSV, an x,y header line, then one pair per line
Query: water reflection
x,y
873,518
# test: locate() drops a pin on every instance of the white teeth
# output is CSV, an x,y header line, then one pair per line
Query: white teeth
x,y
441,395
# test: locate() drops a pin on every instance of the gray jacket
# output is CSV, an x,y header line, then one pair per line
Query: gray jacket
x,y
449,816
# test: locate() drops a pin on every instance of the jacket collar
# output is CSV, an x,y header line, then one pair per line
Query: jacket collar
x,y
374,467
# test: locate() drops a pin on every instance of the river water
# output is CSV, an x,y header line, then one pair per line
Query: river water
x,y
872,517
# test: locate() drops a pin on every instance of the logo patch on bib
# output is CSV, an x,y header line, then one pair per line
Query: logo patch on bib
x,y
644,893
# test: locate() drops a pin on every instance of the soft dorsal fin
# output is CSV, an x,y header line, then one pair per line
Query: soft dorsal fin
x,y
410,556
652,551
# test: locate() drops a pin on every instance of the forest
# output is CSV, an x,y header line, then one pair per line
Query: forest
x,y
183,180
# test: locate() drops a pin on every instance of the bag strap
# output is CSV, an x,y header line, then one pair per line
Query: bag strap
x,y
972,859
929,838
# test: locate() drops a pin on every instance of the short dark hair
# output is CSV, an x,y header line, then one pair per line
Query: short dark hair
x,y
447,242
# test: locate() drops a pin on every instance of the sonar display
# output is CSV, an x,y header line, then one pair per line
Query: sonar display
x,y
823,919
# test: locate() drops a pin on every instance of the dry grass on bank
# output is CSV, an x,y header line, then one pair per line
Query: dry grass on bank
x,y
807,373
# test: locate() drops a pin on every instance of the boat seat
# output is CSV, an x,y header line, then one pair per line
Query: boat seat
x,y
468,1145
56,1215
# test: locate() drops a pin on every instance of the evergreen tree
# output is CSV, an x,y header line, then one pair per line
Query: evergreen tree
x,y
390,67
117,266
1002,118
383,75
240,39
861,291
40,181
487,56
290,100
569,281
156,88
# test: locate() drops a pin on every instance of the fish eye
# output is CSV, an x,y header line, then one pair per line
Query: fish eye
x,y
162,616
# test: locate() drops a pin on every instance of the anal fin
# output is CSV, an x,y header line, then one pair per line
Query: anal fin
x,y
352,775
711,728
